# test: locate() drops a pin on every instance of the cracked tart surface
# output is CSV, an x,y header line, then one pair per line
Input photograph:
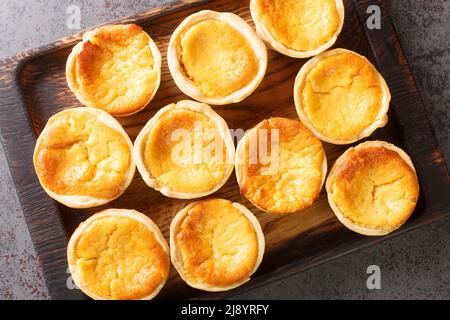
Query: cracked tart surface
x,y
83,158
373,188
216,58
118,254
298,28
116,68
215,244
185,151
280,166
341,97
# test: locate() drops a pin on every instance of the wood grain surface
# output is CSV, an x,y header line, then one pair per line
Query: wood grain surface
x,y
33,88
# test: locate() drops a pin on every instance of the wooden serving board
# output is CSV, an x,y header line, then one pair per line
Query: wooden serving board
x,y
33,88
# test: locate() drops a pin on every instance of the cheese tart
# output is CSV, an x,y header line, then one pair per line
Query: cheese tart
x,y
216,245
373,188
185,151
341,97
83,158
280,166
118,254
298,28
116,68
216,58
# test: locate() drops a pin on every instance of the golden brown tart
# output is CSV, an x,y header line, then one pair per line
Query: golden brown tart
x,y
118,254
83,158
280,166
185,151
298,28
116,68
341,97
373,188
216,58
216,245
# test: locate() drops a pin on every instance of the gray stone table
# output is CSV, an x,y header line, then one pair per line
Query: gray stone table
x,y
415,265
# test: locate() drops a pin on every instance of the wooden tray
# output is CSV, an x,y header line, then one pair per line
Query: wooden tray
x,y
33,87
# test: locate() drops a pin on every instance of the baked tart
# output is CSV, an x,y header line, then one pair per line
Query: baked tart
x,y
83,158
373,188
216,58
118,254
216,245
185,151
280,166
341,97
298,28
116,68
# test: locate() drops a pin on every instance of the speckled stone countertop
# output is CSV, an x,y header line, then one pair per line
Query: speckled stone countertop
x,y
415,265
